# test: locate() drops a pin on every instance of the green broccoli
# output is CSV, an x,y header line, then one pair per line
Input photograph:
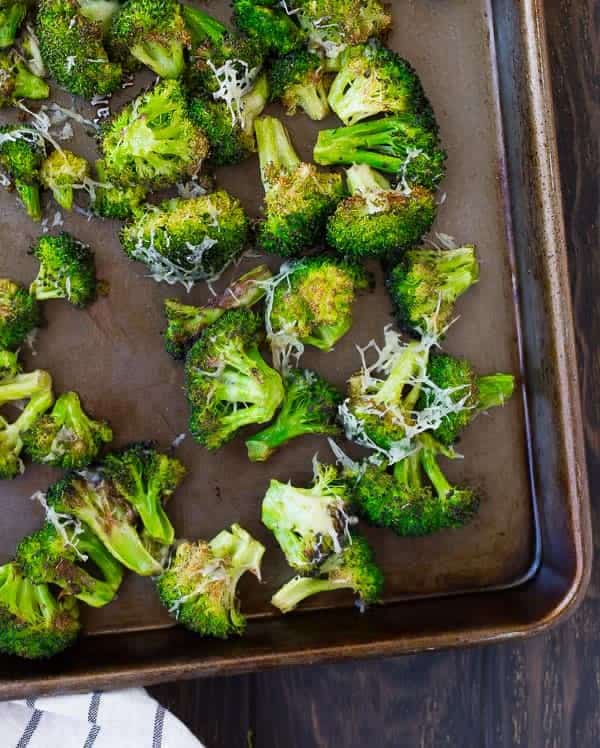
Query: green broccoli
x,y
146,479
298,198
17,385
299,80
33,623
19,314
152,141
152,32
374,80
426,283
66,437
72,49
267,21
62,172
109,201
310,406
12,15
67,270
353,568
62,555
9,366
230,130
185,323
100,11
17,81
188,239
199,587
309,523
22,150
376,220
228,383
31,52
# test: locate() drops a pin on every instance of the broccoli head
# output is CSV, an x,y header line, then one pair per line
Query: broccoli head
x,y
22,151
199,587
66,437
152,32
33,623
152,141
17,81
62,172
185,323
19,314
310,406
299,80
67,270
63,555
298,198
229,385
12,15
267,21
377,220
110,201
72,49
353,568
426,283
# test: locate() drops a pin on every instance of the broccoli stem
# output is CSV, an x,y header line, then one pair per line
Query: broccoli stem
x,y
299,588
363,180
275,150
100,11
30,197
407,472
64,195
202,26
458,269
253,103
324,337
410,363
10,20
434,473
23,386
29,86
494,390
352,145
313,100
165,61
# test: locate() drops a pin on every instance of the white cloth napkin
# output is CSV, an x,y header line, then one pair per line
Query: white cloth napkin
x,y
112,719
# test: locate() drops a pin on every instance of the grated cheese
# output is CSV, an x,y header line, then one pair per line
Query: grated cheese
x,y
61,521
235,79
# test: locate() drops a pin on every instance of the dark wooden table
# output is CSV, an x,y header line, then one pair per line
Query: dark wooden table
x,y
542,693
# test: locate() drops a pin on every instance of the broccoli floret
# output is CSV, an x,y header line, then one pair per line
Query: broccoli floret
x,y
374,80
62,172
33,623
96,502
17,81
309,523
377,220
152,141
426,283
186,240
267,22
298,198
66,437
230,131
67,270
400,145
63,557
309,407
22,151
9,365
109,201
73,51
12,15
199,587
19,314
299,81
229,385
152,32
353,568
21,386
146,479
185,322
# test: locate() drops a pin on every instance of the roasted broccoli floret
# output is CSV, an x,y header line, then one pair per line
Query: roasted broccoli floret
x,y
400,145
353,568
230,131
146,479
67,270
22,151
17,81
64,555
9,365
16,385
19,314
72,49
185,322
186,240
228,383
374,80
309,523
267,21
152,141
12,15
199,587
299,81
152,32
110,201
377,220
94,500
298,198
426,283
33,623
66,437
309,407
62,172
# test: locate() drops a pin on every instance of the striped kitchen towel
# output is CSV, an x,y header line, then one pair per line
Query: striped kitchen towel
x,y
112,719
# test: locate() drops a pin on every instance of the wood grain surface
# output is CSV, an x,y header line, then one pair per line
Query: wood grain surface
x,y
544,692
